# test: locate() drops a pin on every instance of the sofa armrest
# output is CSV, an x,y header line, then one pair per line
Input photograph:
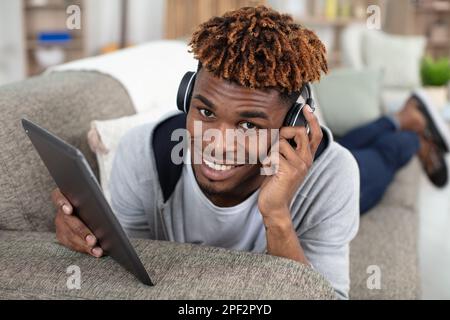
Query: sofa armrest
x,y
179,271
64,103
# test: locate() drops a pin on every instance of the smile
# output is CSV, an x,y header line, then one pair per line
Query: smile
x,y
218,172
218,167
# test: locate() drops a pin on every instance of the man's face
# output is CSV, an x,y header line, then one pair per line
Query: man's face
x,y
221,105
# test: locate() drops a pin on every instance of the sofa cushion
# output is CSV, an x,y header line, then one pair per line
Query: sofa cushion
x,y
64,103
104,138
387,239
35,266
349,98
398,56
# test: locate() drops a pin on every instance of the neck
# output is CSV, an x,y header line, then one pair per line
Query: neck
x,y
237,196
227,200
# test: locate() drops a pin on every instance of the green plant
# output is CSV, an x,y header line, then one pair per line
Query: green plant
x,y
435,72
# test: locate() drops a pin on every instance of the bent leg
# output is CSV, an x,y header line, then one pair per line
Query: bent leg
x,y
398,148
379,164
365,135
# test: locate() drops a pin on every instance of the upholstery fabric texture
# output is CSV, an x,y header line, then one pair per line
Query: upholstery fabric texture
x,y
64,103
179,271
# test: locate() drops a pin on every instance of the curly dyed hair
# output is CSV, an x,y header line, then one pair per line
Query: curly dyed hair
x,y
257,47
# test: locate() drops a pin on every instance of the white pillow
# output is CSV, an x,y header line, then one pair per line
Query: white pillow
x,y
398,56
351,43
151,72
349,98
104,137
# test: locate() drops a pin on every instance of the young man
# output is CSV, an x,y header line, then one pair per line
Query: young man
x,y
254,61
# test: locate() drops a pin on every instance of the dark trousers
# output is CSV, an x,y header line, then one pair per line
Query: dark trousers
x,y
380,150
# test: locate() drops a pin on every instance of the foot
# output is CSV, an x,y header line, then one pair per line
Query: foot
x,y
436,128
411,119
433,162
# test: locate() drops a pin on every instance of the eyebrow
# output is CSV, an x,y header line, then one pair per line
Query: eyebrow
x,y
205,101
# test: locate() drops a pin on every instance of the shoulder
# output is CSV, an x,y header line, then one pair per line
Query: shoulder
x,y
340,161
336,164
335,176
133,149
331,190
135,138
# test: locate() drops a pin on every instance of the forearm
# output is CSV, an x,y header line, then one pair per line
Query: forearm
x,y
282,240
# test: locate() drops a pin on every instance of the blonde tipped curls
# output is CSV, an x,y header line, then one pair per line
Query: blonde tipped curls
x,y
259,48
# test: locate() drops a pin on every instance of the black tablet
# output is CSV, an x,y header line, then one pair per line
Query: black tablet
x,y
75,179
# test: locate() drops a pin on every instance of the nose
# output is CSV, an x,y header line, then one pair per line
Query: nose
x,y
226,144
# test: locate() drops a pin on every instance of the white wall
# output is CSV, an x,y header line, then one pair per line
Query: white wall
x,y
145,22
12,60
102,25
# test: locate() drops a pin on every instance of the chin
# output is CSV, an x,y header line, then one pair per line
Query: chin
x,y
210,185
227,181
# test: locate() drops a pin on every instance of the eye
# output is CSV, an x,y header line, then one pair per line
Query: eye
x,y
206,113
248,126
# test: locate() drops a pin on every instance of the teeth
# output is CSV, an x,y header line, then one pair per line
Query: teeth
x,y
218,167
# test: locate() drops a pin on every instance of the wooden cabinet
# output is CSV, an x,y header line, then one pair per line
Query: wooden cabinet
x,y
433,19
184,16
46,17
430,18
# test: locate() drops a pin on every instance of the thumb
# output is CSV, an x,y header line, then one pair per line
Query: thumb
x,y
67,208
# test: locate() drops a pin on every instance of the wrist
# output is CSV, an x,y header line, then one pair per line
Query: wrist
x,y
279,222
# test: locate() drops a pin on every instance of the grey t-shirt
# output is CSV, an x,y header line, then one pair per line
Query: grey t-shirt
x,y
200,221
325,209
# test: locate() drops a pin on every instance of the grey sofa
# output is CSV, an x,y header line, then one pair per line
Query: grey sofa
x,y
34,266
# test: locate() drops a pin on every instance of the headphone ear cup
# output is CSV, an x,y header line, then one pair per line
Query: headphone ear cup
x,y
185,89
295,117
292,115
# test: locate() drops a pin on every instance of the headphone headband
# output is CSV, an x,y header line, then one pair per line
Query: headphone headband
x,y
185,102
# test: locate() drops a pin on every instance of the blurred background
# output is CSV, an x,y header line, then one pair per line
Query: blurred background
x,y
33,33
378,52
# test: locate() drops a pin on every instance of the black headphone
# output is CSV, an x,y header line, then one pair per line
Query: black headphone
x,y
294,117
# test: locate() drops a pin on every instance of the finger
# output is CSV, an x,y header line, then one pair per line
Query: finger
x,y
300,136
303,147
288,152
61,202
62,230
76,242
290,162
290,133
298,159
68,238
315,134
97,252
80,244
81,230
